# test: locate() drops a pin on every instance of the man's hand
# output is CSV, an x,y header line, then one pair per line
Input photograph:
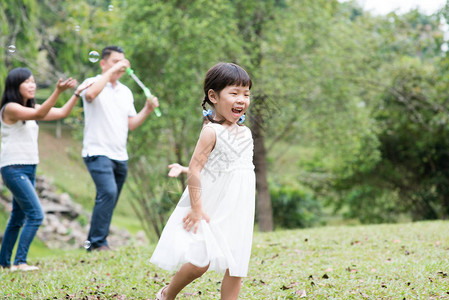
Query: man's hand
x,y
120,66
151,103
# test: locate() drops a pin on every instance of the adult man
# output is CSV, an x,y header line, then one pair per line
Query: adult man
x,y
109,113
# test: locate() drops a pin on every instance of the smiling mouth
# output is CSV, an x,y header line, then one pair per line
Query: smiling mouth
x,y
237,110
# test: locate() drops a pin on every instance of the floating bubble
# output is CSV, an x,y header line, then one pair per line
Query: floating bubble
x,y
11,48
86,244
77,28
94,56
110,7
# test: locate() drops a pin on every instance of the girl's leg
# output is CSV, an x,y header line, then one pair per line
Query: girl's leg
x,y
183,277
230,287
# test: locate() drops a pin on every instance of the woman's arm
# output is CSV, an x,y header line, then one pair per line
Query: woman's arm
x,y
205,145
64,111
14,112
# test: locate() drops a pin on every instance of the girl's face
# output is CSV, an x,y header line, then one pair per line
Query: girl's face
x,y
231,103
28,88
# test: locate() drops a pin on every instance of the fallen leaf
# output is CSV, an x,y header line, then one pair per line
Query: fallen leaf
x,y
442,274
291,285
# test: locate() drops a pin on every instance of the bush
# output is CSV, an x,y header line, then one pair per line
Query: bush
x,y
293,208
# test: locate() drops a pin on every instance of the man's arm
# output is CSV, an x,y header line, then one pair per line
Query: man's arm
x,y
95,89
137,120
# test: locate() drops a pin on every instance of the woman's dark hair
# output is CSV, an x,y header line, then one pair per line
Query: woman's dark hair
x,y
219,77
12,87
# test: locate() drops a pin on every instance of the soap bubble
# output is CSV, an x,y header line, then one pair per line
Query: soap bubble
x,y
11,48
94,56
77,28
110,7
86,244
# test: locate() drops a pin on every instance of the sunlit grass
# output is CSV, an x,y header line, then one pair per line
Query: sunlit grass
x,y
356,262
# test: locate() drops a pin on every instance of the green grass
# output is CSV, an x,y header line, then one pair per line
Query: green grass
x,y
348,262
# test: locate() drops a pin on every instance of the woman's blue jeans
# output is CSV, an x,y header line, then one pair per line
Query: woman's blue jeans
x,y
26,212
109,176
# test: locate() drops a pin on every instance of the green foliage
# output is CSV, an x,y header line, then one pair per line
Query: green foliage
x,y
294,208
365,95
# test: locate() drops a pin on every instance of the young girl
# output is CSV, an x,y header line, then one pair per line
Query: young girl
x,y
212,225
19,157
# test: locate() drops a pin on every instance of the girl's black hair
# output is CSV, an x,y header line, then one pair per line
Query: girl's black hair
x,y
12,87
219,77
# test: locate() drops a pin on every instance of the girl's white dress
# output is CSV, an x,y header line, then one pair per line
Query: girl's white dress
x,y
228,197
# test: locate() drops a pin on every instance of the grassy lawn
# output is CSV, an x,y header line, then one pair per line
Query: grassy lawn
x,y
401,261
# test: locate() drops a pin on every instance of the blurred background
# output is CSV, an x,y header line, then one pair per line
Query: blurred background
x,y
349,108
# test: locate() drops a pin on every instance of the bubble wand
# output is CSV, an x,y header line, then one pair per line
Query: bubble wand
x,y
146,90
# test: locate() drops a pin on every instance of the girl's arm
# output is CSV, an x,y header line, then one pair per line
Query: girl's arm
x,y
14,112
176,169
60,113
206,143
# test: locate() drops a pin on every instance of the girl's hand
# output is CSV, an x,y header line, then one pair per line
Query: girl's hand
x,y
193,218
83,86
61,86
175,170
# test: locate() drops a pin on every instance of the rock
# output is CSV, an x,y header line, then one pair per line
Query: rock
x,y
60,228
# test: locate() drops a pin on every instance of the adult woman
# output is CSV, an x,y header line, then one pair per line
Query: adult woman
x,y
19,157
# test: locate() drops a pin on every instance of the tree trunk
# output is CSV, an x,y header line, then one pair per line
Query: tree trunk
x,y
264,209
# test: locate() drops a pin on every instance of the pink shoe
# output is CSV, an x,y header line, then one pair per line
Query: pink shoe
x,y
159,295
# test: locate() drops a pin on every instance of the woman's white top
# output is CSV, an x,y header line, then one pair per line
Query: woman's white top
x,y
19,143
